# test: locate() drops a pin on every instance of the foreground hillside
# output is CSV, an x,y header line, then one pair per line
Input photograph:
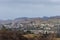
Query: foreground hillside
x,y
20,35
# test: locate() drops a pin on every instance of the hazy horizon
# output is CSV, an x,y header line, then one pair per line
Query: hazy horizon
x,y
11,9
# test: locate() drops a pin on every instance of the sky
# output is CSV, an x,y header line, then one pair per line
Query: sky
x,y
10,9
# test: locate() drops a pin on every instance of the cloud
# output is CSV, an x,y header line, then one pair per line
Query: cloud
x,y
45,2
55,0
28,8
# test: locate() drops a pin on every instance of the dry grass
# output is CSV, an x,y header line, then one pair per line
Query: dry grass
x,y
57,38
29,35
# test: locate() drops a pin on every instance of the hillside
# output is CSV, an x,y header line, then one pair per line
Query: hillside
x,y
37,20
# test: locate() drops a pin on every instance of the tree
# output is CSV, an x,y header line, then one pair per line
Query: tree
x,y
3,27
28,32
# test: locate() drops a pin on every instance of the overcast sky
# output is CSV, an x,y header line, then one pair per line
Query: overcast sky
x,y
10,9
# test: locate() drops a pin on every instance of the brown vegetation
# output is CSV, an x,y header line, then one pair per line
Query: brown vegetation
x,y
18,35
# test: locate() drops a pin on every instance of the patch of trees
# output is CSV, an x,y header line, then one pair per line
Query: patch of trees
x,y
11,35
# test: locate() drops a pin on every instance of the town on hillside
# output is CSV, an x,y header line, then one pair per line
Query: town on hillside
x,y
32,28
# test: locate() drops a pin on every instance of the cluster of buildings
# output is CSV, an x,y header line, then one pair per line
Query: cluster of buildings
x,y
34,27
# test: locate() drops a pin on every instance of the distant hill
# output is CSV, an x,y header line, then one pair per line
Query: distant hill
x,y
37,20
56,17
